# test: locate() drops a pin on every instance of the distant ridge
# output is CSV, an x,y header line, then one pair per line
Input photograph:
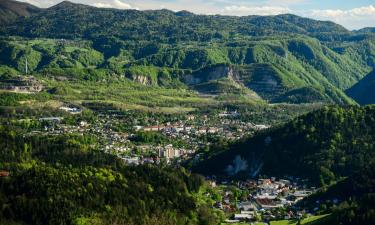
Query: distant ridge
x,y
281,58
12,10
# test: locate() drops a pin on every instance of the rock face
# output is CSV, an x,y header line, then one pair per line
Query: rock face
x,y
260,78
142,79
209,74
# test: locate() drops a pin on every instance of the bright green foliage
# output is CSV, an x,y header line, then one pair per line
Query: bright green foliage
x,y
64,180
304,57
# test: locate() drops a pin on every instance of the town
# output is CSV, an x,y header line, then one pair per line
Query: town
x,y
264,199
169,141
176,140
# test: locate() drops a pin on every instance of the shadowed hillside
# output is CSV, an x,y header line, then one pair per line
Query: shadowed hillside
x,y
12,10
364,91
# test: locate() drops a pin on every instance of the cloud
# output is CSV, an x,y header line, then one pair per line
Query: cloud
x,y
353,18
113,4
40,3
255,10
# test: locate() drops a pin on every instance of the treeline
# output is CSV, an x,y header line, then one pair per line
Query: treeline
x,y
164,25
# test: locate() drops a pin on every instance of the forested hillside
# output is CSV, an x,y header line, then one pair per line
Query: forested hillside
x,y
66,180
10,11
282,58
356,195
364,91
323,146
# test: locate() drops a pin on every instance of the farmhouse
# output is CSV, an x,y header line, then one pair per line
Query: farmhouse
x,y
4,173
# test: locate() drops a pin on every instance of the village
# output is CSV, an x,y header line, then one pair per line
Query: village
x,y
264,199
182,139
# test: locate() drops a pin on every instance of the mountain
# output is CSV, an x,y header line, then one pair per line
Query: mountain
x,y
363,92
322,146
282,58
12,10
166,24
367,30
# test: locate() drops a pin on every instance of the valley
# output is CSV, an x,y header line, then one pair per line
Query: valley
x,y
164,117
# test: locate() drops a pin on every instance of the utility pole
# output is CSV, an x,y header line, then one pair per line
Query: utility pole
x,y
26,67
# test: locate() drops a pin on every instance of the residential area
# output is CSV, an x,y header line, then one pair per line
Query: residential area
x,y
167,141
262,199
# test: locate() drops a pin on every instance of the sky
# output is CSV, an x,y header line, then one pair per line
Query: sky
x,y
352,14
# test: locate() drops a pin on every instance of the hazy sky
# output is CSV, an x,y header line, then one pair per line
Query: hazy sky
x,y
353,14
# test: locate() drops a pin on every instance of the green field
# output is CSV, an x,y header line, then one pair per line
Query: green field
x,y
313,220
310,220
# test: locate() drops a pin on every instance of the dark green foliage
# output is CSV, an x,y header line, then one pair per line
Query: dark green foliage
x,y
305,94
155,138
364,91
9,99
322,146
12,10
351,201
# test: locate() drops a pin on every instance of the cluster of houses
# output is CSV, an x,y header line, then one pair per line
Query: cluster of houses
x,y
21,84
265,197
189,130
166,153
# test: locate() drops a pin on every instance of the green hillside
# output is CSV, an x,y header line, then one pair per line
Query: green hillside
x,y
323,146
67,180
260,62
282,58
354,197
363,92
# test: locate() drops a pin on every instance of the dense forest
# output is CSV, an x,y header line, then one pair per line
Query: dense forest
x,y
323,146
356,195
64,180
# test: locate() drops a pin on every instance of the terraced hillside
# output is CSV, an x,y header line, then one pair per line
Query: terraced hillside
x,y
282,58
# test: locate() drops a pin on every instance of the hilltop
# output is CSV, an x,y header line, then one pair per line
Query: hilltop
x,y
12,10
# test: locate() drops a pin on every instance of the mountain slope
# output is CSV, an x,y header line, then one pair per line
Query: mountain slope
x,y
12,10
67,180
167,24
322,146
282,58
364,91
